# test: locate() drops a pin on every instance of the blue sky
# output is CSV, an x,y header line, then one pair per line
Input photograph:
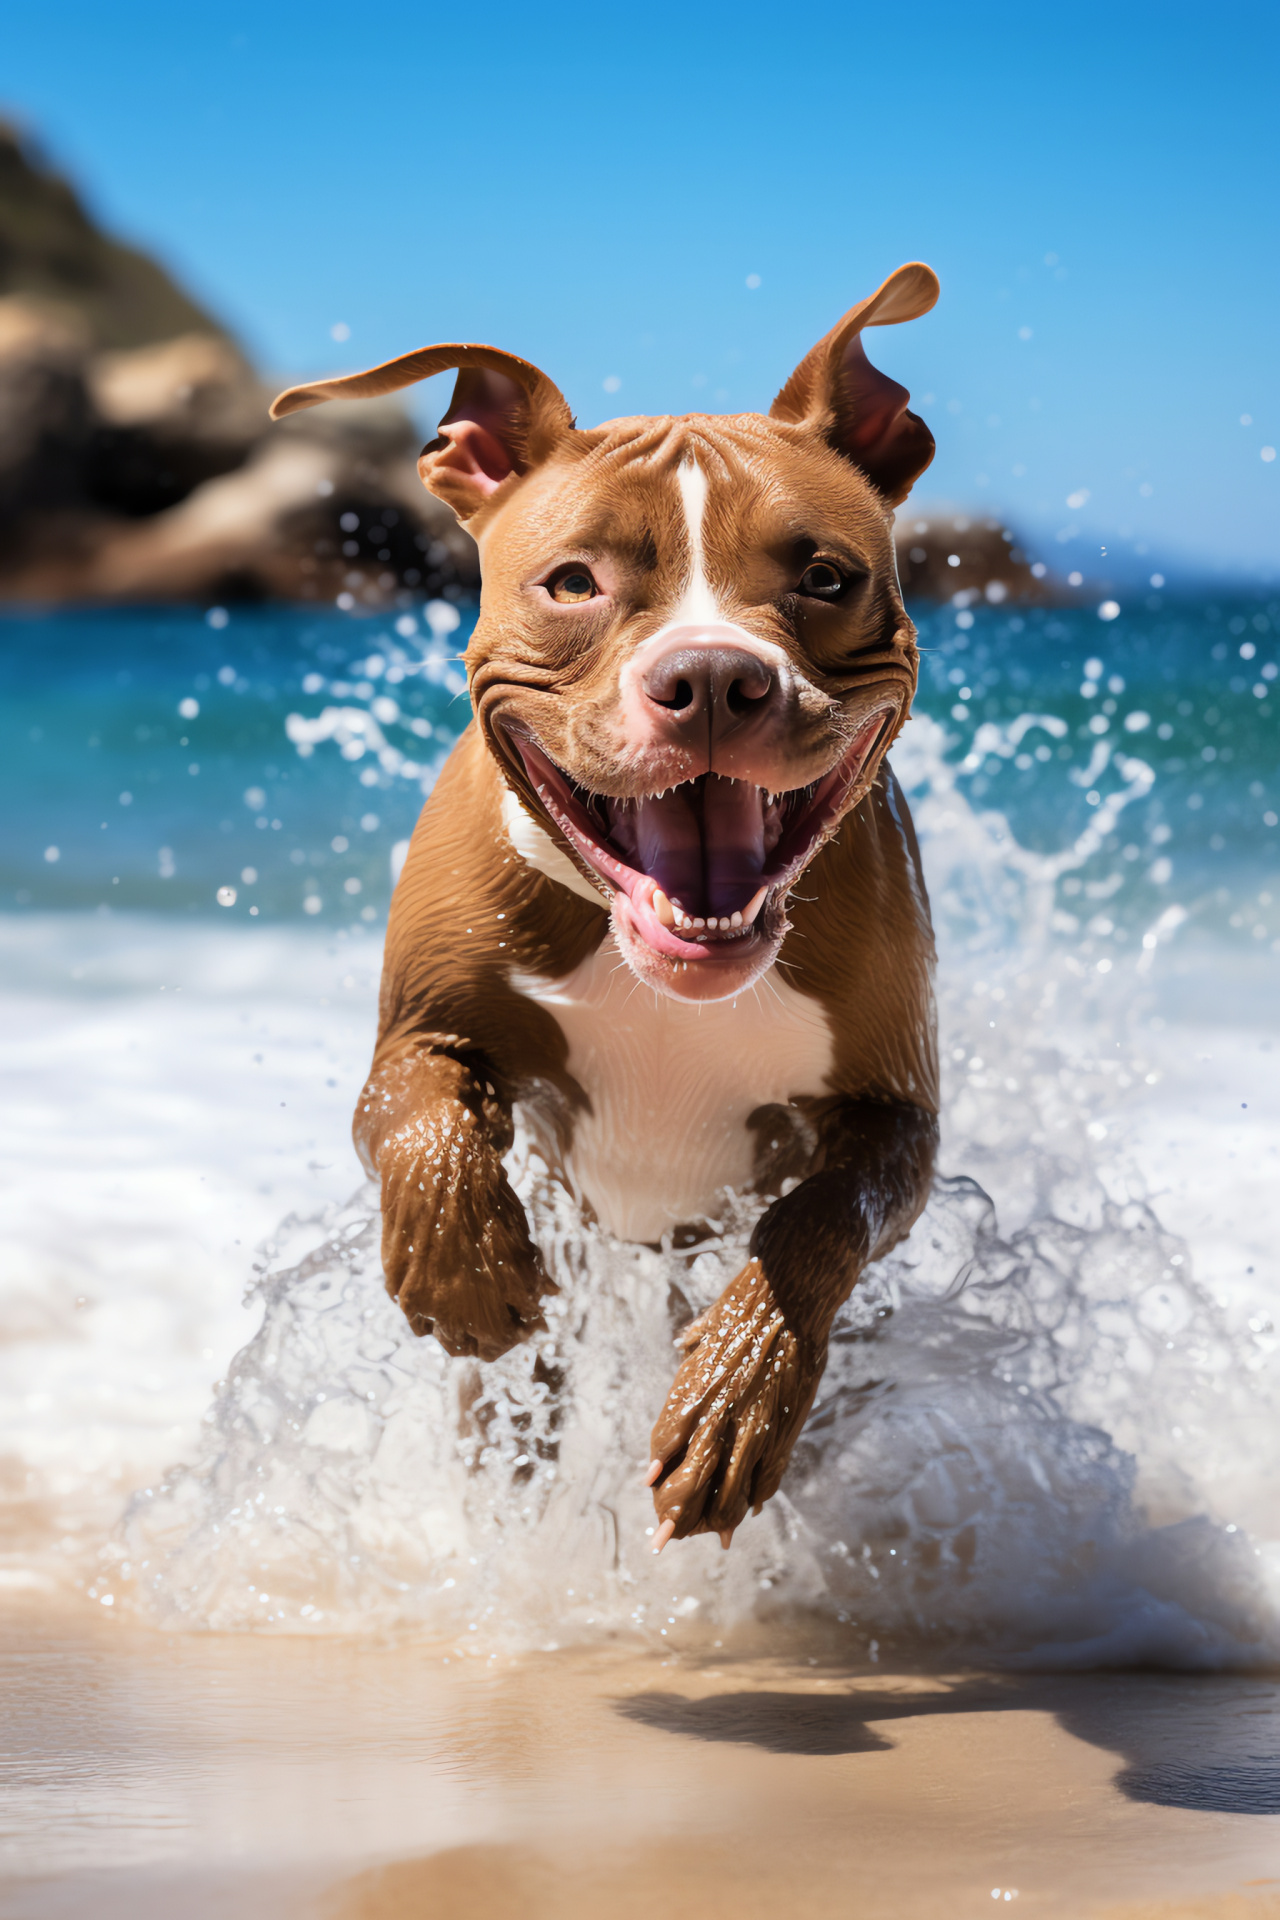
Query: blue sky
x,y
592,187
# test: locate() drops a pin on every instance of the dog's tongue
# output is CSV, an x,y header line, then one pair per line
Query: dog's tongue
x,y
704,843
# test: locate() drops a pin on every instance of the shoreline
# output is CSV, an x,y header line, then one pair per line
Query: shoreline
x,y
347,1781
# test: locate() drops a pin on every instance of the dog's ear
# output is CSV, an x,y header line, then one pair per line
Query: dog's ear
x,y
859,411
504,418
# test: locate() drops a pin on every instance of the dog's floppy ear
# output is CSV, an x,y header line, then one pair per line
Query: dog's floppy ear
x,y
861,412
505,416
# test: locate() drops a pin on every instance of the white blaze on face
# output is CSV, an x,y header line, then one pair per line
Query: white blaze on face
x,y
697,605
697,617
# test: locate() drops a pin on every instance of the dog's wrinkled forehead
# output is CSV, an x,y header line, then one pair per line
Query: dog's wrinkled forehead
x,y
701,510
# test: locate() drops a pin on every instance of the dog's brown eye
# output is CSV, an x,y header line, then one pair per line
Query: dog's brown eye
x,y
823,581
572,587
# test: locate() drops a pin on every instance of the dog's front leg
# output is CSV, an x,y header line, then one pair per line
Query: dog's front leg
x,y
456,1250
755,1357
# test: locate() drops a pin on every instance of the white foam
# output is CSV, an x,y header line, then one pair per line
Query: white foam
x,y
169,1090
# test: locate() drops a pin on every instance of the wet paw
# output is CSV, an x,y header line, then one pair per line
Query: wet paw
x,y
740,1398
456,1251
476,1306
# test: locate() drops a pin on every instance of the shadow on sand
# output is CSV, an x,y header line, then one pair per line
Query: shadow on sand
x,y
1205,1744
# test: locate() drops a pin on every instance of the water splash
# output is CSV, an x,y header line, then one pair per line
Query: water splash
x,y
967,1481
1027,1444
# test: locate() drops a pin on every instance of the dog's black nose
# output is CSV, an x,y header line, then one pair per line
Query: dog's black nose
x,y
715,692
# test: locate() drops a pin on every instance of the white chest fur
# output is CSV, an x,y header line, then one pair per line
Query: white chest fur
x,y
671,1086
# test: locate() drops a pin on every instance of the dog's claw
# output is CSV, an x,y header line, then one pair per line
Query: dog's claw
x,y
726,1536
663,1534
655,1469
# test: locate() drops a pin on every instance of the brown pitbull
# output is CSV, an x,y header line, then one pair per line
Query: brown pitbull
x,y
691,658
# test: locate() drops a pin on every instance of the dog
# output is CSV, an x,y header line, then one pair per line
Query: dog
x,y
691,659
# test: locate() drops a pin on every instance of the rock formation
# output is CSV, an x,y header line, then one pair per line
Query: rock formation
x,y
945,554
136,458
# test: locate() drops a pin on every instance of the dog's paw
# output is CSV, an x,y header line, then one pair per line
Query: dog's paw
x,y
456,1250
477,1302
739,1400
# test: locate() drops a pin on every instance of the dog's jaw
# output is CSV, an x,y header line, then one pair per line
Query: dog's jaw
x,y
728,852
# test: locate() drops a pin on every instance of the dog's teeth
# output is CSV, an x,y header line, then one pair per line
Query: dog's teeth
x,y
735,920
699,921
753,906
663,908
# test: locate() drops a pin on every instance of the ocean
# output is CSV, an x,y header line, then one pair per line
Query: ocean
x,y
1047,1431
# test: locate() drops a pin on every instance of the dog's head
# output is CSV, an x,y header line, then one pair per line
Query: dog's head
x,y
692,651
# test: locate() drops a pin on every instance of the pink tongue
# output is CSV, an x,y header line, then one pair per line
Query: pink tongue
x,y
703,843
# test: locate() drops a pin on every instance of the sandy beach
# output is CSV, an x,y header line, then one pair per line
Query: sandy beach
x,y
214,1775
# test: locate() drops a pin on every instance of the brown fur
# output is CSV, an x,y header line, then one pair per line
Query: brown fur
x,y
460,1043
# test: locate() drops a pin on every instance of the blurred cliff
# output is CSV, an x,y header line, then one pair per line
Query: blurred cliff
x,y
945,553
136,458
137,461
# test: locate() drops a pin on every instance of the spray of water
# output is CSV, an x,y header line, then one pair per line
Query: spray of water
x,y
1032,1438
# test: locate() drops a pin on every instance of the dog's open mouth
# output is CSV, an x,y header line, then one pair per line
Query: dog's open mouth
x,y
704,867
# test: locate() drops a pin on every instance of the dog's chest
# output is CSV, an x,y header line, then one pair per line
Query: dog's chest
x,y
671,1085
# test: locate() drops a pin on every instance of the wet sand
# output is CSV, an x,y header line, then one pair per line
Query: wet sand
x,y
150,1775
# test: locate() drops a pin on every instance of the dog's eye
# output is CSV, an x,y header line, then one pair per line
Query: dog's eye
x,y
823,581
572,586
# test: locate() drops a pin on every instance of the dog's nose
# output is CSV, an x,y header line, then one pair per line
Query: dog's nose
x,y
713,692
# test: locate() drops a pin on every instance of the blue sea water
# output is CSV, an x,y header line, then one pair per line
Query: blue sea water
x,y
1047,1422
149,759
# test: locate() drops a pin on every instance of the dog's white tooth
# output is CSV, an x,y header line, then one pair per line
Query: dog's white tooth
x,y
735,920
662,908
753,906
699,921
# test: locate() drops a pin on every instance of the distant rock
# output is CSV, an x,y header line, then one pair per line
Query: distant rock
x,y
946,554
137,461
